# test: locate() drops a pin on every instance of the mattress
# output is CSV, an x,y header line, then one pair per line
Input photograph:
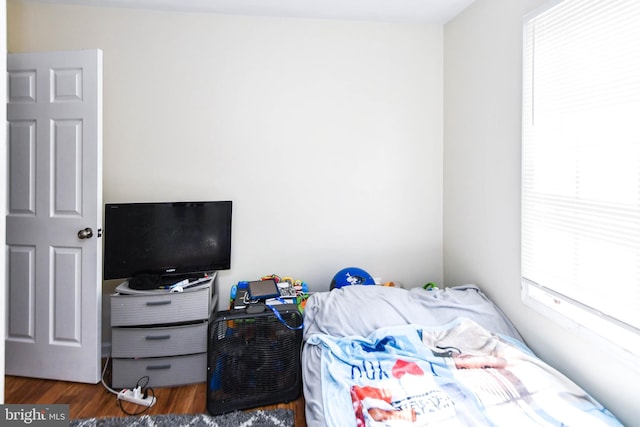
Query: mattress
x,y
383,356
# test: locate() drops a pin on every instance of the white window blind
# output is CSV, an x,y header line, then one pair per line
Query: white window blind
x,y
581,159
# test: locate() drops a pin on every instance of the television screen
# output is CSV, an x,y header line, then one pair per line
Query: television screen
x,y
175,238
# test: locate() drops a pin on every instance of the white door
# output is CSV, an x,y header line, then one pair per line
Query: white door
x,y
54,215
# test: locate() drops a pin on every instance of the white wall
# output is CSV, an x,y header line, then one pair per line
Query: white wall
x,y
327,135
482,194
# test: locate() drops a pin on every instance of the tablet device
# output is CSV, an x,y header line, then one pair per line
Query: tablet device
x,y
263,289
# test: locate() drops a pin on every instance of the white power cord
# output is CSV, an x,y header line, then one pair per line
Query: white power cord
x,y
104,370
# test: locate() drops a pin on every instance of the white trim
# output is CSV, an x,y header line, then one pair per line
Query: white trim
x,y
616,341
551,3
3,184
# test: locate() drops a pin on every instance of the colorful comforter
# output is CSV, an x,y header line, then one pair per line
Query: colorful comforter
x,y
457,374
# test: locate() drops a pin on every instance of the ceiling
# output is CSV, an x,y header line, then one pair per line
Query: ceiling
x,y
423,11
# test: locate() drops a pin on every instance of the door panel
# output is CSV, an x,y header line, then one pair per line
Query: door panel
x,y
22,177
21,299
55,190
67,167
66,283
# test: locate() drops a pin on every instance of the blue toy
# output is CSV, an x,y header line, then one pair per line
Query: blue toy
x,y
351,276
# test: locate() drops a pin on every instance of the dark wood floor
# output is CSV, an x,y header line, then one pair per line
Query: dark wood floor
x,y
93,400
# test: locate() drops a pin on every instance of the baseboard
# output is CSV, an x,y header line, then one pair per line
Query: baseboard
x,y
106,349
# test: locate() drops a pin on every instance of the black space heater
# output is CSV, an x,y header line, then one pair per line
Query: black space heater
x,y
253,358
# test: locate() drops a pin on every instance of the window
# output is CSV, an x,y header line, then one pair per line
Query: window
x,y
581,165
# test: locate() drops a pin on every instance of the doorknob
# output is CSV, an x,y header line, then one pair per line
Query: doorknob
x,y
87,233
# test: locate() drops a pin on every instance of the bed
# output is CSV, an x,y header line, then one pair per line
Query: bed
x,y
384,356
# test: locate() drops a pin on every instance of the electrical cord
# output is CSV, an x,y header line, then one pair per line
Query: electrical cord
x,y
281,319
104,384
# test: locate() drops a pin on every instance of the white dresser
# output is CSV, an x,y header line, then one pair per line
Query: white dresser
x,y
160,335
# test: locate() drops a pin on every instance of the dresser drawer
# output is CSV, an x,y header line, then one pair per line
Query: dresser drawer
x,y
161,341
162,308
162,371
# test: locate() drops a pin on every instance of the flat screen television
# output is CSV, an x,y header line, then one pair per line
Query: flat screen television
x,y
168,239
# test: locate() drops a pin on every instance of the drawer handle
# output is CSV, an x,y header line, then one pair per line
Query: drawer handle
x,y
158,367
157,337
159,302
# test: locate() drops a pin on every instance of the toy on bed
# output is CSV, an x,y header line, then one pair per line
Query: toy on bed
x,y
384,356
